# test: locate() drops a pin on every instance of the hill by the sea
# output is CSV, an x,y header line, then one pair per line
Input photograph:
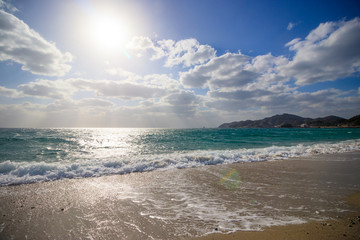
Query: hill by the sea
x,y
288,120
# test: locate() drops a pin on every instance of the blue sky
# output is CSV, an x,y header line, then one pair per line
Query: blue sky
x,y
92,63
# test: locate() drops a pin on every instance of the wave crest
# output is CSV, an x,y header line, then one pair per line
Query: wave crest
x,y
12,172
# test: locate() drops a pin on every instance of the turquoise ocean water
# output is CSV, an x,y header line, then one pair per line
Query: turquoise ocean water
x,y
33,155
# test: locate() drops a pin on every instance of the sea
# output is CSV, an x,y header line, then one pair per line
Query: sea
x,y
34,155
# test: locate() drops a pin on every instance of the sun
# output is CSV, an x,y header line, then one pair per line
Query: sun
x,y
107,32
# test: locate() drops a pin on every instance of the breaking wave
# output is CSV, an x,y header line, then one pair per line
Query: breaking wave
x,y
20,172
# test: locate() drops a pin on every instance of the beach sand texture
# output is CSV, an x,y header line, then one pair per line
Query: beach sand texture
x,y
250,199
343,227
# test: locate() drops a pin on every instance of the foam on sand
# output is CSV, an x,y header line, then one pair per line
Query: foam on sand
x,y
176,204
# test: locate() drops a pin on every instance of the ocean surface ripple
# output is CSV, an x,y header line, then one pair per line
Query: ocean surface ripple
x,y
33,155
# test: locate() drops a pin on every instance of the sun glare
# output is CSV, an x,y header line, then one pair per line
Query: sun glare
x,y
108,32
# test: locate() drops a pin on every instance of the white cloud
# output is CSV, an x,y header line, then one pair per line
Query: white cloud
x,y
23,45
94,102
123,90
291,25
64,89
143,45
178,108
86,104
171,111
268,63
7,6
10,93
58,89
228,70
122,73
162,80
187,52
182,98
140,43
329,52
128,90
235,70
158,80
183,103
239,94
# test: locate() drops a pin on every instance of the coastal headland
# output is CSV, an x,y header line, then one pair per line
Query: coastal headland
x,y
289,121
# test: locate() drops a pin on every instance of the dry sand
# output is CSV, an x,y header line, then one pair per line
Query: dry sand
x,y
185,203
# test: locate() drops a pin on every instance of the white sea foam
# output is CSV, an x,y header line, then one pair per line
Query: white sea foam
x,y
209,212
12,172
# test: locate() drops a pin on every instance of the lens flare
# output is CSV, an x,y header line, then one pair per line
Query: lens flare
x,y
231,179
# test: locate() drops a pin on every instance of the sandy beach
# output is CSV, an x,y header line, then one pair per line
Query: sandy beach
x,y
309,198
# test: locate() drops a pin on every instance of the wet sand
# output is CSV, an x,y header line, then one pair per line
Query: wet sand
x,y
306,195
343,227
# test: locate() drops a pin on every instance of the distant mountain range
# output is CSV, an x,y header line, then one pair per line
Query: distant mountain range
x,y
288,121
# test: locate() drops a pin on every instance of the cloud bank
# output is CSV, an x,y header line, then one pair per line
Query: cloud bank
x,y
209,89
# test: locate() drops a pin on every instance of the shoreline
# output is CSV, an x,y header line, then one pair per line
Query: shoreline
x,y
185,203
